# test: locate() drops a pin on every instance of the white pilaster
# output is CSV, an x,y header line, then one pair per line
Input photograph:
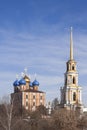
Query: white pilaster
x,y
67,100
80,97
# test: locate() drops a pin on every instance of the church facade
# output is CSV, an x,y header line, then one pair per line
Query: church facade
x,y
71,92
27,94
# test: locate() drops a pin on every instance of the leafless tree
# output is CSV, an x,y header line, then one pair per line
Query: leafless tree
x,y
9,115
55,103
13,118
42,110
64,120
82,123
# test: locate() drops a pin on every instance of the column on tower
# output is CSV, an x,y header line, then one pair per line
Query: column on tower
x,y
67,96
80,96
70,96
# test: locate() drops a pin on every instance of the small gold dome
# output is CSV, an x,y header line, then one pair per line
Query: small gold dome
x,y
27,79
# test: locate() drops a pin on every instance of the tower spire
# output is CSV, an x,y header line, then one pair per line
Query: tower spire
x,y
71,45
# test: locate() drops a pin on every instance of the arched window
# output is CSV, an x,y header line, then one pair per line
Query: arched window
x,y
16,89
74,80
67,67
73,68
65,80
74,96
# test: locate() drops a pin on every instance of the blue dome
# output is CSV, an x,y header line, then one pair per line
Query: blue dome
x,y
35,83
16,83
22,82
31,84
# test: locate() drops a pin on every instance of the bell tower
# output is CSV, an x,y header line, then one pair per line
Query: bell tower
x,y
71,91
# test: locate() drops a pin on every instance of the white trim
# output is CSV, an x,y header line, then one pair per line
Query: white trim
x,y
34,100
26,100
66,97
27,107
34,94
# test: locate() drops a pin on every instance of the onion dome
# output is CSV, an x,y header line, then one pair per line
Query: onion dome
x,y
16,83
35,83
22,82
31,84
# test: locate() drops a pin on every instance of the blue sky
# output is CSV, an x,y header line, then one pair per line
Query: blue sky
x,y
36,34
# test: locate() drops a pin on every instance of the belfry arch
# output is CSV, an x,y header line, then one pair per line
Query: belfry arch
x,y
74,80
74,96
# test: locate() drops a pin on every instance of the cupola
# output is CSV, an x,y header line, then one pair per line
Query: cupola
x,y
16,83
22,82
35,83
